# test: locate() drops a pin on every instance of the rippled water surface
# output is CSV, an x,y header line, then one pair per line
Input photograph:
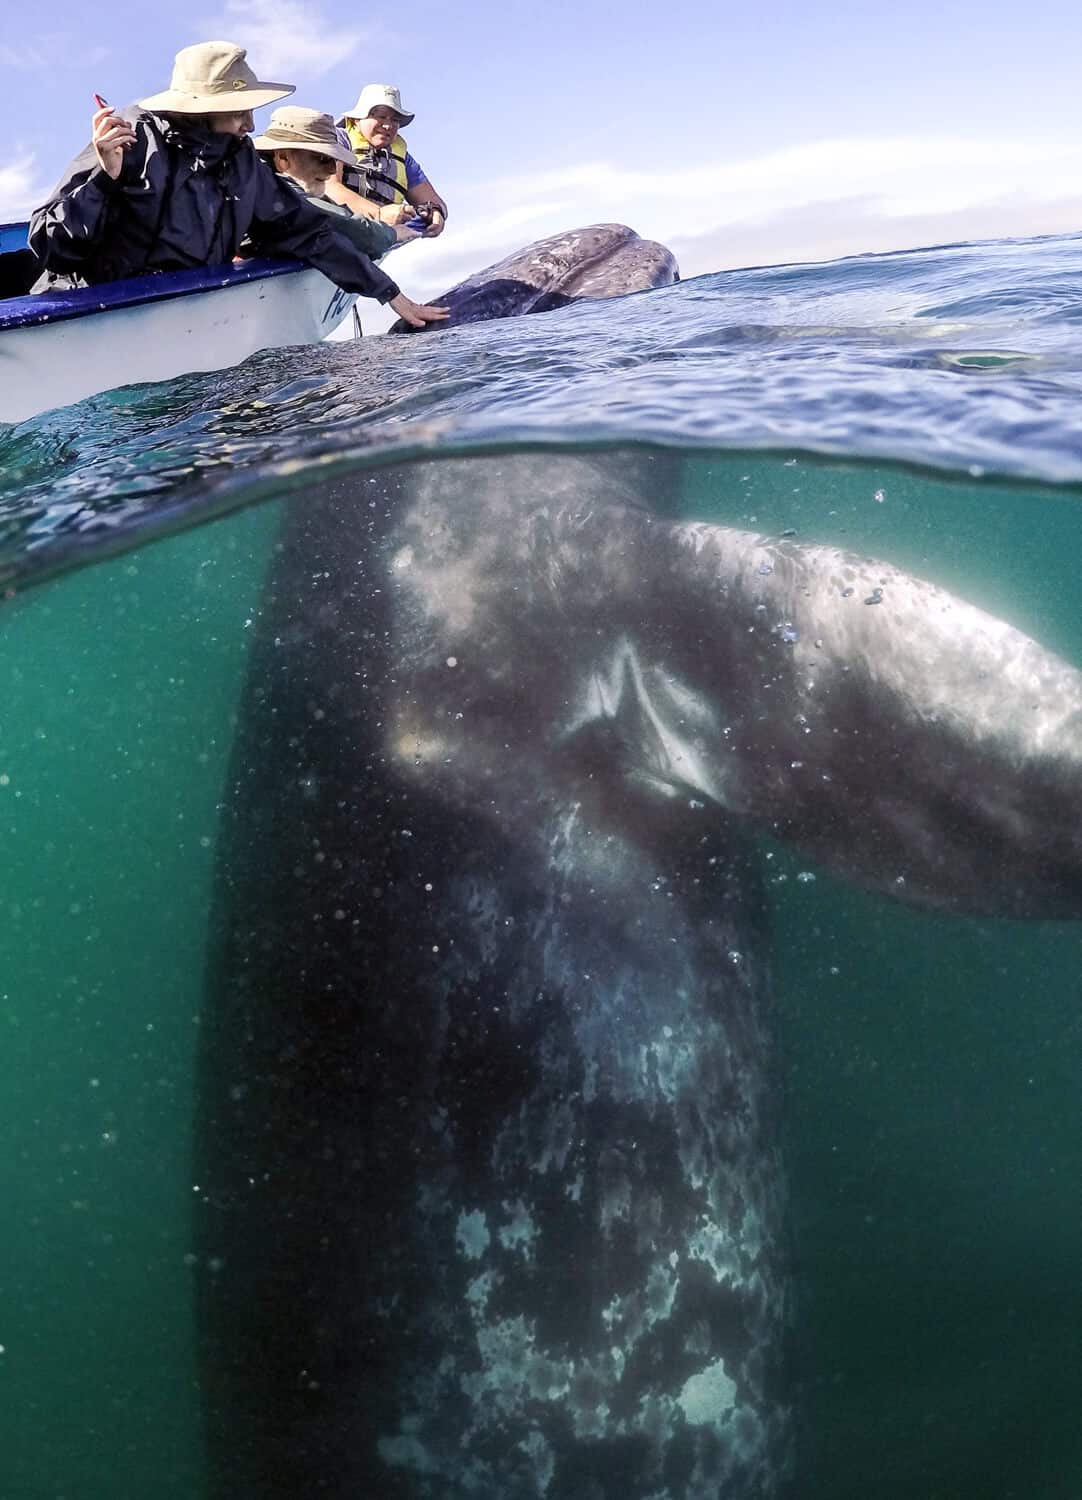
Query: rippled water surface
x,y
923,407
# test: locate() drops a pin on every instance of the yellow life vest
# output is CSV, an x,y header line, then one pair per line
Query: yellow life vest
x,y
383,172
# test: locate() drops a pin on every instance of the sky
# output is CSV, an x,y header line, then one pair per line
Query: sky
x,y
739,135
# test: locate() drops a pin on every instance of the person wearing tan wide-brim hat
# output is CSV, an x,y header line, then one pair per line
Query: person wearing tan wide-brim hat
x,y
304,148
214,78
389,183
174,182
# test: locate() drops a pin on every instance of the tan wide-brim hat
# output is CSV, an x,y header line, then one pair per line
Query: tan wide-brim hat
x,y
374,94
294,128
212,78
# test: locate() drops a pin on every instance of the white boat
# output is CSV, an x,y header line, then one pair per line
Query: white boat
x,y
59,347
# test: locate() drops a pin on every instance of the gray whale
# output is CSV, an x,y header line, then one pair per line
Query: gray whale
x,y
491,1201
600,260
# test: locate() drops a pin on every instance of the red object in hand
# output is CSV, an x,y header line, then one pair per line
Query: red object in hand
x,y
102,103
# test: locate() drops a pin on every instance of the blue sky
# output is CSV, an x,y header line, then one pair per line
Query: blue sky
x,y
738,134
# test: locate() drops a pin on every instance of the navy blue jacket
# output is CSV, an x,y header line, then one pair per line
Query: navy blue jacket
x,y
186,196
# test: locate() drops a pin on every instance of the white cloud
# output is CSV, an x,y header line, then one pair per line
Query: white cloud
x,y
20,188
53,50
286,38
26,57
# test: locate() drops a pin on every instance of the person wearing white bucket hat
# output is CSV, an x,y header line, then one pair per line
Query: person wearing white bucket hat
x,y
174,182
390,184
303,147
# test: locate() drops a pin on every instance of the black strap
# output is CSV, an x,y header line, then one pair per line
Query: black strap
x,y
382,177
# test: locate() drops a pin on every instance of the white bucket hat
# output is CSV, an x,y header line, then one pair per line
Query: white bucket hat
x,y
374,94
212,78
294,128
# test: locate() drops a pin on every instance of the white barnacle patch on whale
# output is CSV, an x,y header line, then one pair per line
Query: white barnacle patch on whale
x,y
479,1291
513,1371
707,1395
631,1316
670,1061
541,1458
472,1234
521,1232
717,1248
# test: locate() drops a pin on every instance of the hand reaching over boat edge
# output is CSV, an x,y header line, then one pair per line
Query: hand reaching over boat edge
x,y
414,313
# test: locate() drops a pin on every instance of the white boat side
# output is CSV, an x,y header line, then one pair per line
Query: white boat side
x,y
58,348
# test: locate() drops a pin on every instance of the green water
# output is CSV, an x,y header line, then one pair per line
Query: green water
x,y
118,685
931,1066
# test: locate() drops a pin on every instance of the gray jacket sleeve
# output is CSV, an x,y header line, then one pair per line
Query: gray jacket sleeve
x,y
284,221
369,235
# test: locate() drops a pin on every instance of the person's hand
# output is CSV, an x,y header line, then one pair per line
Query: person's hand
x,y
403,234
435,224
110,137
395,213
414,314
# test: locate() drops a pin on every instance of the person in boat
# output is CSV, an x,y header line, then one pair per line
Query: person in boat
x,y
302,146
390,184
174,182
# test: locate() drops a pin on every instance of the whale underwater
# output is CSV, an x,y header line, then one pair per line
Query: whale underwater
x,y
491,1200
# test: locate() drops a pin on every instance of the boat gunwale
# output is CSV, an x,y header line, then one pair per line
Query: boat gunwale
x,y
34,310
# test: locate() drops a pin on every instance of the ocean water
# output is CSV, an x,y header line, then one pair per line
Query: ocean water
x,y
921,407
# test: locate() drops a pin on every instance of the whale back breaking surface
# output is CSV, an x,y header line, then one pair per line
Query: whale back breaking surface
x,y
490,1198
597,261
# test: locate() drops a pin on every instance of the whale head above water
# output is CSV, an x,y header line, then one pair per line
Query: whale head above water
x,y
601,260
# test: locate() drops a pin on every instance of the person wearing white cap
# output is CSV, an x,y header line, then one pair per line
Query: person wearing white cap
x,y
390,184
174,182
303,147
